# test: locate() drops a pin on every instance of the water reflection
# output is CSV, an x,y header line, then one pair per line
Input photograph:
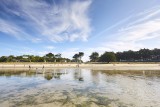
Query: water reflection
x,y
79,87
48,74
51,75
148,73
78,75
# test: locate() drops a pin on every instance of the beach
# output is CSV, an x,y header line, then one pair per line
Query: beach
x,y
89,66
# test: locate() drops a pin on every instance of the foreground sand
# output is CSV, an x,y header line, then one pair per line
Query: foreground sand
x,y
90,66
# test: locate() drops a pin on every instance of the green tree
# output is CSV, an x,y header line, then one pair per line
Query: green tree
x,y
107,57
49,57
38,59
94,56
11,58
19,58
81,54
58,57
145,54
3,59
31,58
76,56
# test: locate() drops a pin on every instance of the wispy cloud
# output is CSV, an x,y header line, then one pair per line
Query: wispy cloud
x,y
49,47
146,30
55,22
141,27
26,51
15,31
8,28
112,27
146,25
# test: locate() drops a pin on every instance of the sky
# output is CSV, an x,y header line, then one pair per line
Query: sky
x,y
37,27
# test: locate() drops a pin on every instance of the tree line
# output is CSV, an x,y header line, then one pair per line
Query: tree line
x,y
50,57
143,55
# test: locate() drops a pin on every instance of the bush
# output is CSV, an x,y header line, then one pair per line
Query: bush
x,y
107,57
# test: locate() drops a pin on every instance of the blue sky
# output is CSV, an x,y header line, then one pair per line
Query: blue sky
x,y
69,26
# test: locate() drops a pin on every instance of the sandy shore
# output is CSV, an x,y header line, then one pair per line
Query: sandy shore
x,y
90,66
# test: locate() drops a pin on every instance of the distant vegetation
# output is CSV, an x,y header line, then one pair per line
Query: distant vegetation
x,y
143,55
50,57
78,57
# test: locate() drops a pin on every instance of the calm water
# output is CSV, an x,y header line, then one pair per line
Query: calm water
x,y
79,88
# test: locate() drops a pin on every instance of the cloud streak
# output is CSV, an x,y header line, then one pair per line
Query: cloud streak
x,y
141,27
15,31
56,22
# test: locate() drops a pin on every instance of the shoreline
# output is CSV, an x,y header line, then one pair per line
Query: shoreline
x,y
85,66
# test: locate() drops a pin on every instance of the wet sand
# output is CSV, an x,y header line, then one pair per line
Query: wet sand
x,y
98,88
90,66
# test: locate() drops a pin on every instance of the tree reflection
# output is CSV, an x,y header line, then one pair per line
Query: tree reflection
x,y
9,73
95,77
30,73
78,75
48,76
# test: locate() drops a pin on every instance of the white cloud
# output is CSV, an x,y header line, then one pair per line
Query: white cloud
x,y
146,30
50,47
112,27
54,22
15,31
141,27
121,46
8,28
146,25
146,15
26,51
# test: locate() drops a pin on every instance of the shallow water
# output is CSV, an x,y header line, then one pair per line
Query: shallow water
x,y
79,88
